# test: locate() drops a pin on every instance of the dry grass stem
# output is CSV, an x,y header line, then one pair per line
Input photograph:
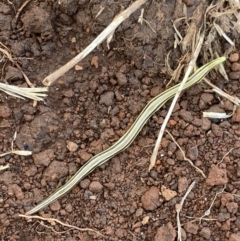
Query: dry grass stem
x,y
53,220
225,156
186,76
20,9
233,99
140,19
4,167
41,223
184,156
18,152
50,79
217,115
207,212
179,208
100,11
222,33
21,92
31,93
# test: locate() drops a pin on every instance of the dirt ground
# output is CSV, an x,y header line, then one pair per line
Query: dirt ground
x,y
93,105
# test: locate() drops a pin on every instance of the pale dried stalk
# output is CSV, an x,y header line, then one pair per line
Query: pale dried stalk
x,y
18,152
179,208
49,80
188,72
52,220
184,156
233,99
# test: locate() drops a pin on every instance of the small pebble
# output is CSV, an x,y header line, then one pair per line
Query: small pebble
x,y
95,187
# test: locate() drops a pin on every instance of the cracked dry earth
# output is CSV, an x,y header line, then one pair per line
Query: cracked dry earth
x,y
90,107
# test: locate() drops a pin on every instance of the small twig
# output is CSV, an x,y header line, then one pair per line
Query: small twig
x,y
233,99
175,28
179,208
50,79
4,167
20,9
140,19
225,156
49,227
163,127
100,11
184,156
18,152
57,221
222,33
209,210
205,219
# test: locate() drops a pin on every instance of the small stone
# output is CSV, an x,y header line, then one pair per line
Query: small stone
x,y
120,233
44,157
205,100
236,115
107,98
223,217
216,176
122,79
170,162
85,156
55,206
15,190
116,165
205,233
68,93
234,237
182,184
186,115
13,73
226,225
72,146
232,207
73,40
155,91
150,199
235,67
139,212
217,131
236,152
206,124
192,153
234,75
153,174
234,57
191,228
172,147
85,183
96,187
78,67
237,222
5,9
166,233
56,170
226,198
31,171
172,122
168,194
183,234
109,231
110,185
5,112
94,61
69,208
145,220
197,122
